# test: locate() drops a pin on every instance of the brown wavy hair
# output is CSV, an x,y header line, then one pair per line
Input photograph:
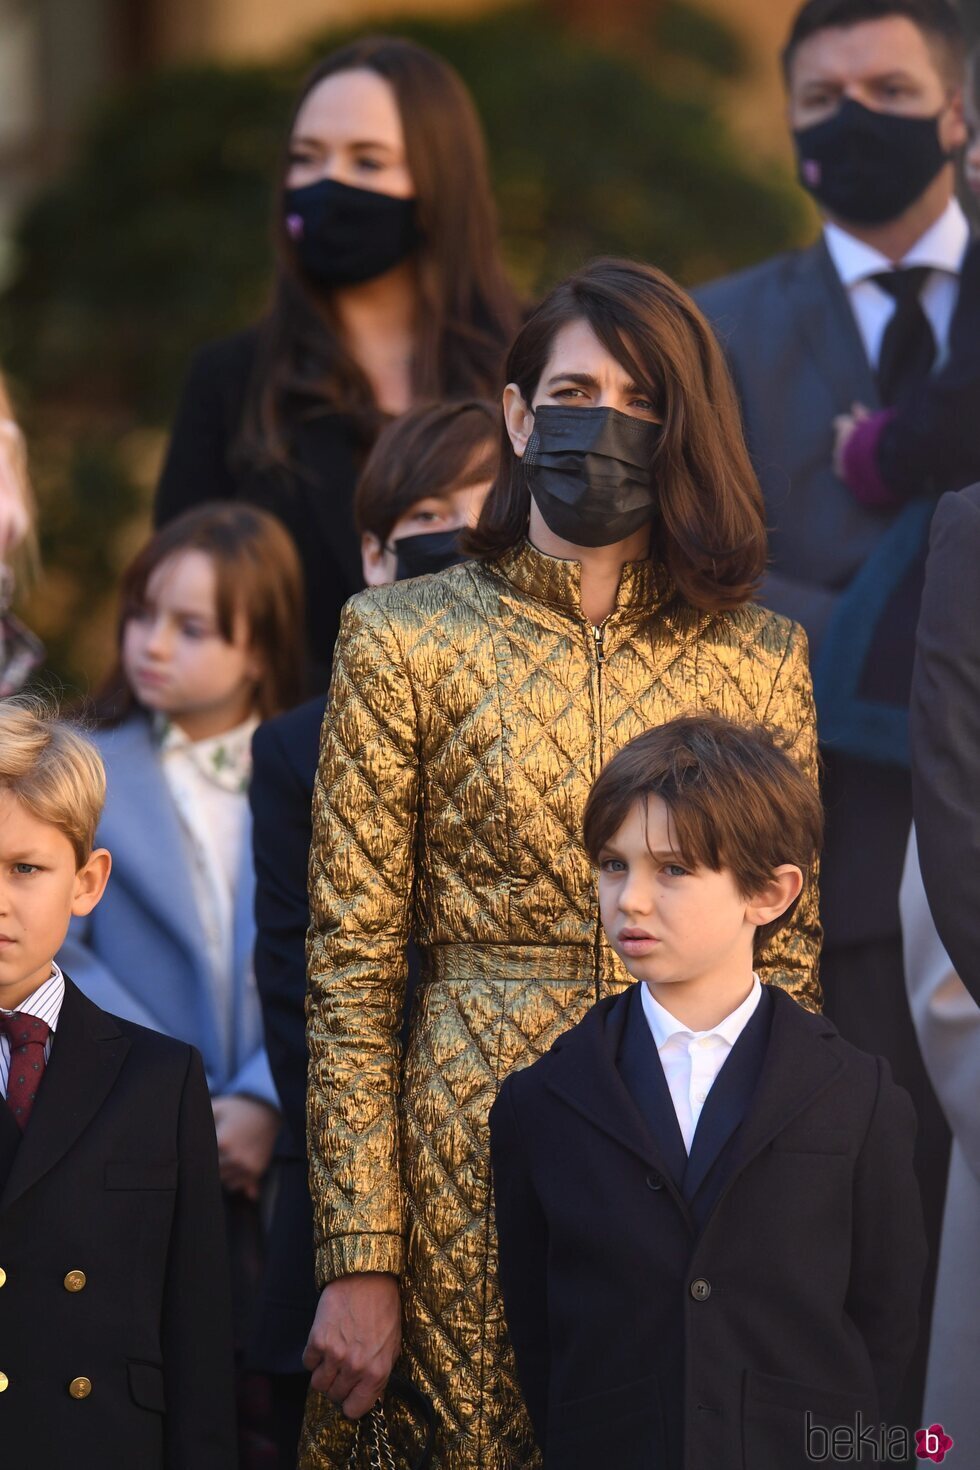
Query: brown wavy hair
x,y
257,571
468,311
709,530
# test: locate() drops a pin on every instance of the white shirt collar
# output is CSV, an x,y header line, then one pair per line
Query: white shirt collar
x,y
45,1002
666,1026
942,248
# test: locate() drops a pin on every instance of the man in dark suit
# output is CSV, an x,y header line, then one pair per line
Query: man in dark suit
x,y
945,721
710,1239
115,1313
874,98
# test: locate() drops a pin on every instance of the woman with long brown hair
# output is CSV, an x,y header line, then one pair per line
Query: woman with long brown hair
x,y
389,291
469,714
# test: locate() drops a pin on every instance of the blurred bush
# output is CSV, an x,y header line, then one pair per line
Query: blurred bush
x,y
156,239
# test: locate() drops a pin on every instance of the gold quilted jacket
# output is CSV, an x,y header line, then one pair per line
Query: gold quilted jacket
x,y
468,716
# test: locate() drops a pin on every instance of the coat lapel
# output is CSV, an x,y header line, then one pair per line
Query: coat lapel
x,y
799,1065
819,306
729,1099
587,1078
642,1071
151,850
87,1052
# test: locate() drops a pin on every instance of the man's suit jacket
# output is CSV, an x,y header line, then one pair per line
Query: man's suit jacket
x,y
285,751
115,1181
656,1301
142,954
947,1024
852,576
945,723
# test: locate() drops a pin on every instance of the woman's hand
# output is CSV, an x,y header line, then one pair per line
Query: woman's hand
x,y
844,426
247,1131
355,1340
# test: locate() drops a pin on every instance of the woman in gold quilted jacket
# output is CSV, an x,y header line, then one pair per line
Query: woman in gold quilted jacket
x,y
468,716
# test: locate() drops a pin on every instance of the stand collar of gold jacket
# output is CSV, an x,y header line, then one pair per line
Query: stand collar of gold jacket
x,y
643,585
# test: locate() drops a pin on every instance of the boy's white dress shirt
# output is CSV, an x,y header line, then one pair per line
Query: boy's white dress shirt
x,y
692,1059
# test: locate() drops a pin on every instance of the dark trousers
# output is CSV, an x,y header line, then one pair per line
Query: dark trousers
x,y
289,1392
865,997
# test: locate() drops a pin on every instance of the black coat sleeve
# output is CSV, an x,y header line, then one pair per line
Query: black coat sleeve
x,y
197,468
522,1234
196,1329
945,731
282,829
888,1252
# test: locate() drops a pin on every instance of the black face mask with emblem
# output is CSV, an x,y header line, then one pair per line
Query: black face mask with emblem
x,y
868,167
343,236
590,473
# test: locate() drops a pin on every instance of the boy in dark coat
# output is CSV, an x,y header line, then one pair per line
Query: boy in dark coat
x,y
115,1332
710,1233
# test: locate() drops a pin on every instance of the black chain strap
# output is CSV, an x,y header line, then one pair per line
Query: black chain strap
x,y
372,1438
372,1435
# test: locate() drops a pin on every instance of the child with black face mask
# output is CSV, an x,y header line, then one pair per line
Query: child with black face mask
x,y
425,480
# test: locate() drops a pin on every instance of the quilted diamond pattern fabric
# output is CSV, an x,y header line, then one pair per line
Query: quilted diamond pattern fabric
x,y
469,715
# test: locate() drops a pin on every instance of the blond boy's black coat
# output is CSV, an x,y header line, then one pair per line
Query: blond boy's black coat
x,y
115,1181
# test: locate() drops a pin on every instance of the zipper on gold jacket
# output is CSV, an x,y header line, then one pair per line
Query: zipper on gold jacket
x,y
598,637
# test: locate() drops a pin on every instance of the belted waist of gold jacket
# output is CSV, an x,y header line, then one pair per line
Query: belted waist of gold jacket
x,y
469,714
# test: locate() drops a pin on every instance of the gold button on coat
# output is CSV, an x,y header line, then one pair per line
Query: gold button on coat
x,y
80,1388
4,1380
75,1281
3,1277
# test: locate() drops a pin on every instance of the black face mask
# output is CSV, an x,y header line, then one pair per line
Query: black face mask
x,y
344,235
868,167
590,473
431,551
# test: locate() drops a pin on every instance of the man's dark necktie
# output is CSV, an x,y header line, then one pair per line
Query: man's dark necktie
x,y
908,347
28,1036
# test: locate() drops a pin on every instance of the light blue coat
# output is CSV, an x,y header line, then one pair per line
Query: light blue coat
x,y
142,954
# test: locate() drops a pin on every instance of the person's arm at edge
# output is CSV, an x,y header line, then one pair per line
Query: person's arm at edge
x,y
944,723
361,885
522,1235
196,465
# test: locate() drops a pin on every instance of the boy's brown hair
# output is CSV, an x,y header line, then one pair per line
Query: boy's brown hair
x,y
430,450
53,771
735,801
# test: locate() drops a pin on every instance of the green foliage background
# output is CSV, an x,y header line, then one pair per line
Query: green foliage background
x,y
156,239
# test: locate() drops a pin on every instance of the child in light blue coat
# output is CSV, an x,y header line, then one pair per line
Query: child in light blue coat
x,y
210,643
